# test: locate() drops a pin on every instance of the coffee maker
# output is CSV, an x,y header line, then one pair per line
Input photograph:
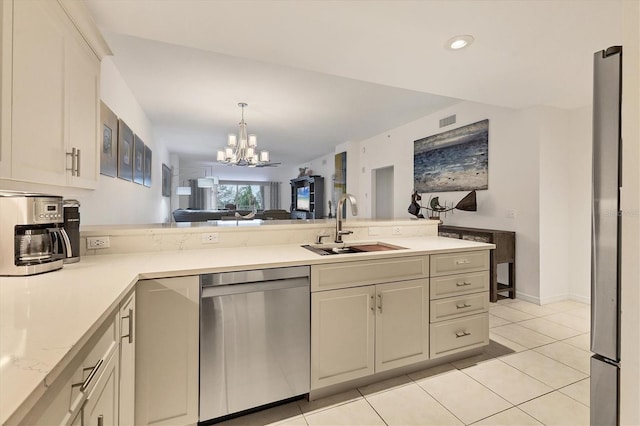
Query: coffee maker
x,y
71,224
32,240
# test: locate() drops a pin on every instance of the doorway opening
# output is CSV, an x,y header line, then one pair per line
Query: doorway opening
x,y
382,189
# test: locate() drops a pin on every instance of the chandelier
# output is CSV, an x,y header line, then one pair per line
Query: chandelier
x,y
241,149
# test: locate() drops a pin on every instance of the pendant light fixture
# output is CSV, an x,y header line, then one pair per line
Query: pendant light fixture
x,y
241,149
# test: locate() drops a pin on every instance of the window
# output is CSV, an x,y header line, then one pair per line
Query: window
x,y
242,195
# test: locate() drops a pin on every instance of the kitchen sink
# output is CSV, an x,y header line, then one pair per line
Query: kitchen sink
x,y
362,247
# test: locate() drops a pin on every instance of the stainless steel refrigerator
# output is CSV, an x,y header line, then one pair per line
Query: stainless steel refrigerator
x,y
605,237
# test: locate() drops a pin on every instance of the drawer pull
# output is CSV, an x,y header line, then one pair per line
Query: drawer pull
x,y
130,334
462,284
462,334
85,384
464,305
463,262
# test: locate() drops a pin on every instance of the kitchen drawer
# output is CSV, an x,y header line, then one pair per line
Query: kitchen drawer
x,y
455,285
459,306
352,274
65,396
456,263
458,335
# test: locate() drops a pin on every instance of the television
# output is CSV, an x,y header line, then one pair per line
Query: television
x,y
302,198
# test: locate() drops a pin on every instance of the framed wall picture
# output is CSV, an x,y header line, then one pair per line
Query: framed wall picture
x,y
125,151
166,181
109,145
138,160
455,160
147,166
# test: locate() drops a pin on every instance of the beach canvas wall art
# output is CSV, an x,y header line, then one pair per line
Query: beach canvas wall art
x,y
455,160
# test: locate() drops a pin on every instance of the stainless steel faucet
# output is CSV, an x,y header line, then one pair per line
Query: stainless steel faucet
x,y
354,211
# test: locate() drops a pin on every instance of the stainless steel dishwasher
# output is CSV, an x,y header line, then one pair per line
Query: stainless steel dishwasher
x,y
254,339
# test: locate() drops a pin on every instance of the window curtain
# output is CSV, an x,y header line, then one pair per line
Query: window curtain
x,y
274,195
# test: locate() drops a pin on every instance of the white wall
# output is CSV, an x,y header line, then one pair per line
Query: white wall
x,y
630,203
117,201
539,167
513,177
579,203
554,204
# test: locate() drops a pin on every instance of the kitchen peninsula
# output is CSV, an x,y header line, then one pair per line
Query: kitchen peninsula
x,y
40,339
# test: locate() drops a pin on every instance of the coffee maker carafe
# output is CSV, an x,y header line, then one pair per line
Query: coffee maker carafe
x,y
32,240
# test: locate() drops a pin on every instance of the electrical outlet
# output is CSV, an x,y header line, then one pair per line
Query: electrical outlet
x,y
97,243
396,230
210,238
511,214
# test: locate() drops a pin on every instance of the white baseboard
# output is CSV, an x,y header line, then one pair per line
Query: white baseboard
x,y
552,299
581,299
528,298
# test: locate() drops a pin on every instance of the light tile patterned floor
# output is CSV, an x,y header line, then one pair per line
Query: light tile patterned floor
x,y
534,372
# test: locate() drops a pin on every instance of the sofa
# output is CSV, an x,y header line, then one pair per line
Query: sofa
x,y
189,215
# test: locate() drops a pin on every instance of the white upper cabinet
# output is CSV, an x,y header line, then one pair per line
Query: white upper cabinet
x,y
52,126
6,18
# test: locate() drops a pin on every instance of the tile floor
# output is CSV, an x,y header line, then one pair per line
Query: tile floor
x,y
534,372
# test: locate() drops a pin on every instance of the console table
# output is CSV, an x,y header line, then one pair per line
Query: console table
x,y
505,252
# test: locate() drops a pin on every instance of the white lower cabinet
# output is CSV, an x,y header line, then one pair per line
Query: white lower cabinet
x,y
126,396
342,335
372,316
359,331
459,302
166,352
101,406
89,384
402,323
457,335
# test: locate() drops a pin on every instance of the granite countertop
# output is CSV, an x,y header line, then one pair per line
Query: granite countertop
x,y
45,319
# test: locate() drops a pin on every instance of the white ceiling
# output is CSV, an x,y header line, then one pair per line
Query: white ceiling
x,y
319,73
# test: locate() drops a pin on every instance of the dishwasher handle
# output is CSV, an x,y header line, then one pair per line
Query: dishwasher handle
x,y
224,290
254,276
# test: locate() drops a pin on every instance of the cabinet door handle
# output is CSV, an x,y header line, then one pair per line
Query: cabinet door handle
x,y
86,382
462,334
464,305
130,334
380,302
373,305
77,162
463,262
100,420
464,283
72,154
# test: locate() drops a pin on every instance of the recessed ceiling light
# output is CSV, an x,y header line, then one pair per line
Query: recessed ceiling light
x,y
459,42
